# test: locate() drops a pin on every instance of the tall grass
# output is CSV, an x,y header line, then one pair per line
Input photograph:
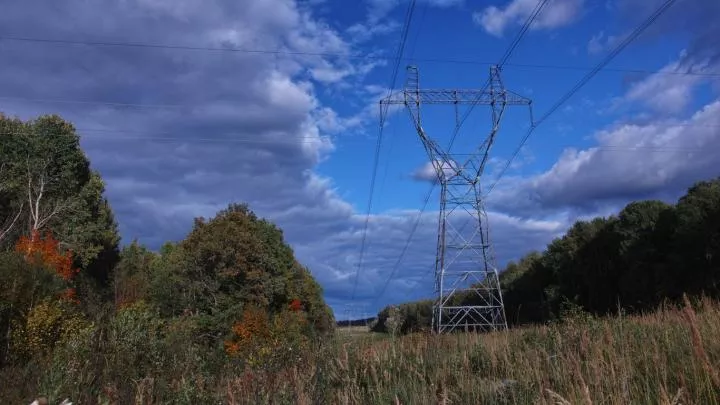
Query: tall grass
x,y
671,356
668,357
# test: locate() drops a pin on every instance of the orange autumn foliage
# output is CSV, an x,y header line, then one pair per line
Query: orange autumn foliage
x,y
295,305
253,325
44,251
70,295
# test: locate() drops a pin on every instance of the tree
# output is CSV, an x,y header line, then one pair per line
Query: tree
x,y
133,274
697,237
643,253
9,214
46,185
231,262
11,207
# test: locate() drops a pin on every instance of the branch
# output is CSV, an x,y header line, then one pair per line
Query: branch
x,y
40,217
4,233
59,207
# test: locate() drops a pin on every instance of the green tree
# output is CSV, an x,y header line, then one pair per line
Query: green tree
x,y
47,177
642,253
229,262
697,238
133,274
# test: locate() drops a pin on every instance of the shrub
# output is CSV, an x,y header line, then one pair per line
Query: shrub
x,y
47,324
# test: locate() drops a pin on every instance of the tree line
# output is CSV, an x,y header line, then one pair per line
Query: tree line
x,y
84,317
650,253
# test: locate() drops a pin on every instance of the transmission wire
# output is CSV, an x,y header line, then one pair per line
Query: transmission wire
x,y
638,30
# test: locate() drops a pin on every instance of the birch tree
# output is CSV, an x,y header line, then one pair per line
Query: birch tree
x,y
51,188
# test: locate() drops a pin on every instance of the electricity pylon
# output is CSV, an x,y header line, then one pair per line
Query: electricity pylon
x,y
466,278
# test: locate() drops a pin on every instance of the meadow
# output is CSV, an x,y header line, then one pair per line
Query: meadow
x,y
670,356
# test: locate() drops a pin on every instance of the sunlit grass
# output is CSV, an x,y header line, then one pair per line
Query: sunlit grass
x,y
667,357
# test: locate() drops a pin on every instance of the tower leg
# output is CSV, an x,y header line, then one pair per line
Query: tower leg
x,y
469,295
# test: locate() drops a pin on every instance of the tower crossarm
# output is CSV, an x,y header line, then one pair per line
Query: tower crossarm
x,y
455,96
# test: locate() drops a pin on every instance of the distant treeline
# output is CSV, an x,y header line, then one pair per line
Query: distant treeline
x,y
649,253
355,322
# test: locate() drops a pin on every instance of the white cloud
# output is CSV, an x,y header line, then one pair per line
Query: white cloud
x,y
387,234
555,14
360,32
655,160
378,10
601,43
669,91
428,173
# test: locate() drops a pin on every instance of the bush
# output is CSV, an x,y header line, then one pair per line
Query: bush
x,y
47,324
261,341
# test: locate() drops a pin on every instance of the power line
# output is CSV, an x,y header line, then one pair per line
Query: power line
x,y
96,102
638,30
393,138
312,140
538,8
400,50
343,55
103,134
405,247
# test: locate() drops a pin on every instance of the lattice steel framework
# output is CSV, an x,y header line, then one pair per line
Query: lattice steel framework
x,y
466,279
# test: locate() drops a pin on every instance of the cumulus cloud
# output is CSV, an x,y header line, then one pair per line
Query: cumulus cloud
x,y
670,90
659,159
693,19
413,277
557,13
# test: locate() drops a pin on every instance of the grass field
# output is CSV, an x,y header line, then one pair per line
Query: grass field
x,y
668,357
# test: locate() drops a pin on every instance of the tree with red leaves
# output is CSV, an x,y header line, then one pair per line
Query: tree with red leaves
x,y
45,251
296,305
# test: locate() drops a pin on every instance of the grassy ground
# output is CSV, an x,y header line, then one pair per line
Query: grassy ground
x,y
668,357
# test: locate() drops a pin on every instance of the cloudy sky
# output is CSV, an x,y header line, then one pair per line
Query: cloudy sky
x,y
187,105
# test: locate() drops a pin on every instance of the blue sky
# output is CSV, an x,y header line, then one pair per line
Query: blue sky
x,y
294,133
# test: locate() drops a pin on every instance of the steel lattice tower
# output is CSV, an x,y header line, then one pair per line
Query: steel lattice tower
x,y
466,278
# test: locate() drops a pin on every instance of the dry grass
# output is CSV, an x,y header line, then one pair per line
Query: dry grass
x,y
668,357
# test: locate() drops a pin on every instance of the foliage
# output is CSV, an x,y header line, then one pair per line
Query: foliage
x,y
229,262
269,342
45,251
149,325
46,324
47,184
25,284
229,315
404,318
